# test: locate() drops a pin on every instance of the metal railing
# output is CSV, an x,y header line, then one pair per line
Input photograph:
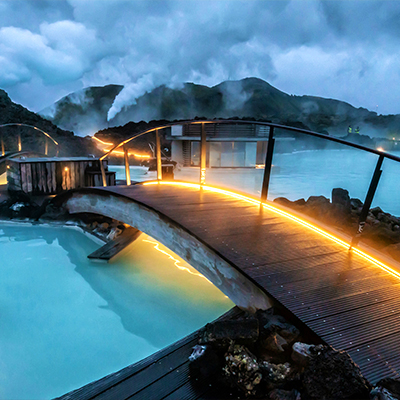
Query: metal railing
x,y
268,159
19,137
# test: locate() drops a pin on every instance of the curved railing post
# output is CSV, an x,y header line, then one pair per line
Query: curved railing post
x,y
3,150
19,136
203,155
268,164
103,173
158,156
127,170
368,201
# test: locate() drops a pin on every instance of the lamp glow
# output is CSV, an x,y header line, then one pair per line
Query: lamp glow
x,y
102,142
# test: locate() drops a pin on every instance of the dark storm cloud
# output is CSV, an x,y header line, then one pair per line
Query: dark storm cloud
x,y
341,49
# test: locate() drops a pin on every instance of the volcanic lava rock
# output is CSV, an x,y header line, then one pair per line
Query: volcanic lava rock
x,y
278,324
275,375
279,394
222,333
205,362
302,353
18,205
332,374
386,389
241,370
341,198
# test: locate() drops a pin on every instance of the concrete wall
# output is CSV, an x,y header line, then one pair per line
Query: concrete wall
x,y
176,151
243,292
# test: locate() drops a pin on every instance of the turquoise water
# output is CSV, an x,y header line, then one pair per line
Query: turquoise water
x,y
303,174
67,321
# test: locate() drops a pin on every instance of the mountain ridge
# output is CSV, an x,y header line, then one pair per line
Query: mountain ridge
x,y
12,113
247,98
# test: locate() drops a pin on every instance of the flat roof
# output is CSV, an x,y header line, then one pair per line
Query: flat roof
x,y
52,159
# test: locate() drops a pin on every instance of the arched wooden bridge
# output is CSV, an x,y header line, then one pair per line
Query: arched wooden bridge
x,y
258,253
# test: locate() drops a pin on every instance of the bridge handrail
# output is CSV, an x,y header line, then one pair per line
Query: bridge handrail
x,y
19,136
270,124
268,161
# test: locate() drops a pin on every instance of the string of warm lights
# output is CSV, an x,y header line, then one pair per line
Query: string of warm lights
x,y
285,214
102,142
177,262
119,152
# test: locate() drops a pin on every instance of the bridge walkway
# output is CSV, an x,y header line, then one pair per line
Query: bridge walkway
x,y
347,300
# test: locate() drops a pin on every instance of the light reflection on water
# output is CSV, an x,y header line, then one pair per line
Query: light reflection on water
x,y
67,321
303,174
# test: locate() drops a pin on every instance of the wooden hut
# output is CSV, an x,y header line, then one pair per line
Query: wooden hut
x,y
55,175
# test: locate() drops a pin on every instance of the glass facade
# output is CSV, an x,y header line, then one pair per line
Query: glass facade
x,y
226,154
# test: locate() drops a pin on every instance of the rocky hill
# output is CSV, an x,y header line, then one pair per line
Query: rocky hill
x,y
83,112
247,98
33,140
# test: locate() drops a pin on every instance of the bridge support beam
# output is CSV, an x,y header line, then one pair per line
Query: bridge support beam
x,y
268,165
127,170
368,201
158,156
103,173
241,290
203,155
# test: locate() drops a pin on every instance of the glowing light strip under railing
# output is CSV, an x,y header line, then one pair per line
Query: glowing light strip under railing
x,y
286,214
176,261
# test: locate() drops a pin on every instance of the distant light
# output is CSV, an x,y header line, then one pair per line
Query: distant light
x,y
66,169
102,142
121,153
380,149
394,138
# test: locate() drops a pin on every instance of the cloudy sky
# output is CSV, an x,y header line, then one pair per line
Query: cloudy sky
x,y
348,50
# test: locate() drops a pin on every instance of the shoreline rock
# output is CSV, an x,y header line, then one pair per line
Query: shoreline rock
x,y
308,371
21,207
381,230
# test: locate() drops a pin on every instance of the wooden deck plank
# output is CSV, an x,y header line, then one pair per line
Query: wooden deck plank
x,y
327,308
94,389
365,333
279,284
139,385
359,316
113,247
298,264
325,291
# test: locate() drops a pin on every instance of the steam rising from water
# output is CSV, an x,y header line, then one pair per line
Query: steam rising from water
x,y
130,93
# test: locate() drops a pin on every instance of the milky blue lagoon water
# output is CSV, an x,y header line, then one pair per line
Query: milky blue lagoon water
x,y
303,174
66,321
